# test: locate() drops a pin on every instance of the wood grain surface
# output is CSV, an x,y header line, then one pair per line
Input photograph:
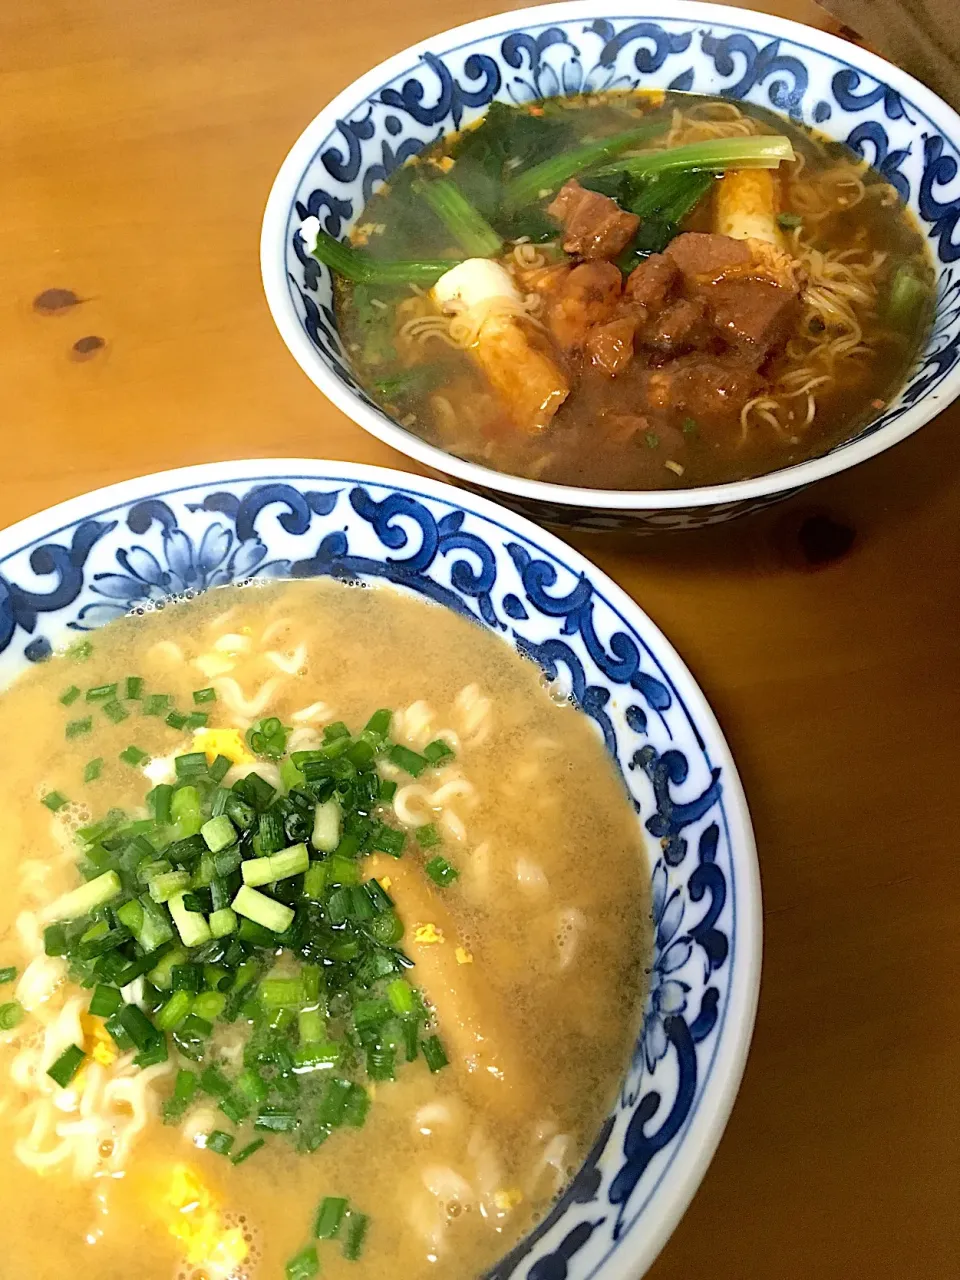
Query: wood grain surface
x,y
138,141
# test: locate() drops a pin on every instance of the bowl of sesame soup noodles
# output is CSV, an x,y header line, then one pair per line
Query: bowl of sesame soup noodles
x,y
381,894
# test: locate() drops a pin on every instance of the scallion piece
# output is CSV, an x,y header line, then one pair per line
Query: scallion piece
x,y
191,925
353,264
223,922
441,872
327,826
355,1234
115,711
434,1053
93,769
760,151
176,720
358,1105
156,704
80,651
133,688
386,839
80,902
303,1266
219,1142
466,224
102,693
191,766
379,722
54,801
219,833
249,1150
388,789
163,886
77,728
410,761
219,769
105,1001
329,1217
438,750
174,1011
204,695
133,756
196,720
185,812
267,738
69,696
428,836
264,911
67,1066
11,1015
7,974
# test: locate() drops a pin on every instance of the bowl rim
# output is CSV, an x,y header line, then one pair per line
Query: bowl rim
x,y
276,219
678,1182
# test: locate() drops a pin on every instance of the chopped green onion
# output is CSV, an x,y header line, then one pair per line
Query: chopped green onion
x,y
438,750
379,722
219,1142
303,1266
388,789
223,922
204,695
329,1217
54,801
176,720
67,1066
690,427
908,297
191,766
174,1011
760,151
93,769
185,812
219,833
434,1053
102,693
327,826
354,1235
80,902
137,1026
249,1150
183,1094
156,704
427,836
76,728
281,993
279,866
55,940
133,688
466,224
262,910
191,925
134,756
115,711
11,1015
410,761
353,264
105,1002
789,221
69,696
7,974
80,651
386,839
162,887
267,738
403,998
547,177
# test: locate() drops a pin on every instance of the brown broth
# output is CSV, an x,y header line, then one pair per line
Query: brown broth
x,y
594,440
546,793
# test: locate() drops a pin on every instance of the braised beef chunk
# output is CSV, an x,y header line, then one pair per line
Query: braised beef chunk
x,y
587,296
594,225
704,257
610,345
679,325
753,315
710,390
651,282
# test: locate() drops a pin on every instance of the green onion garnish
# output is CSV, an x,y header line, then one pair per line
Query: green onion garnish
x,y
105,1002
249,1150
267,738
329,1217
175,720
133,688
219,1142
264,911
134,756
11,1015
438,750
67,1066
789,221
156,704
115,711
441,872
76,728
8,974
54,801
69,696
304,1266
102,693
354,1235
410,761
196,720
81,651
427,836
204,695
434,1053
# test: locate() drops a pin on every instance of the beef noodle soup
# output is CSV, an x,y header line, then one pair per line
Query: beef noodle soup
x,y
322,944
633,291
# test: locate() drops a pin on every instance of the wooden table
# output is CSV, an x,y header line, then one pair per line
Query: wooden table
x,y
137,145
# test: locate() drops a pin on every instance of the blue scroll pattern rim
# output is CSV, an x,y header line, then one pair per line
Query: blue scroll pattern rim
x,y
85,538
852,90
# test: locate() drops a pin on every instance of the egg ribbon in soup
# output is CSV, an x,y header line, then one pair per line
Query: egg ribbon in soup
x,y
325,936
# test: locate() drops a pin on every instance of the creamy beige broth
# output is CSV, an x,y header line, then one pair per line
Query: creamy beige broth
x,y
550,915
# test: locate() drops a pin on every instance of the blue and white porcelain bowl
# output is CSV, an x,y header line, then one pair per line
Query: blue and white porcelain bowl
x,y
440,85
129,547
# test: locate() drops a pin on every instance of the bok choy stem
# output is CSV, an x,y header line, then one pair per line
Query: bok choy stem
x,y
764,151
353,264
550,175
468,227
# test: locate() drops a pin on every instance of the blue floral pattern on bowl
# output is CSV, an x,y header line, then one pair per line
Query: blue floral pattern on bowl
x,y
448,82
133,547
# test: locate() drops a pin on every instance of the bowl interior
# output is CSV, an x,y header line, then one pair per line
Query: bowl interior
x,y
443,84
92,560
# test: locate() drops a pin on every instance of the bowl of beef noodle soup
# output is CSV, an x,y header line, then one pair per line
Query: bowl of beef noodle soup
x,y
380,897
645,269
